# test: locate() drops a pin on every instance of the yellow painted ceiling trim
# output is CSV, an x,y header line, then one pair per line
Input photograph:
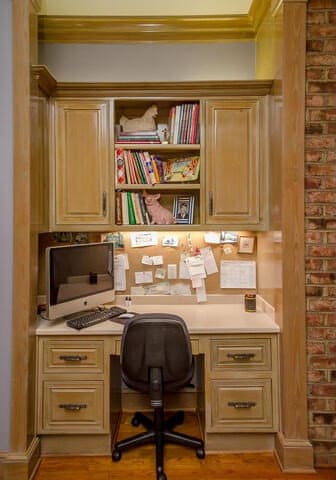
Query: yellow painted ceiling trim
x,y
141,29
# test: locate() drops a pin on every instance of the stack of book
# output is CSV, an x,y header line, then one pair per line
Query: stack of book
x,y
131,209
183,123
141,136
138,167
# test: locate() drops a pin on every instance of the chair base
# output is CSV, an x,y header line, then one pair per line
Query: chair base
x,y
158,432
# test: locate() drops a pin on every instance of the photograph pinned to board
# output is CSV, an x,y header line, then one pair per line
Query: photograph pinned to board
x,y
246,244
183,209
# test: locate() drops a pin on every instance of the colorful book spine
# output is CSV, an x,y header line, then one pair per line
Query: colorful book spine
x,y
118,208
131,213
121,173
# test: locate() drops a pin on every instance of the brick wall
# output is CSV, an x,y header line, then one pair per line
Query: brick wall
x,y
320,227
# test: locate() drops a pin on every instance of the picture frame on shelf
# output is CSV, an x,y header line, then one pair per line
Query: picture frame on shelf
x,y
246,244
183,209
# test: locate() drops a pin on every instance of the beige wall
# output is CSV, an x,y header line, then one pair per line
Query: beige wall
x,y
144,7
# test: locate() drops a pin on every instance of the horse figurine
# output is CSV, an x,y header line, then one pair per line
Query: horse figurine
x,y
146,122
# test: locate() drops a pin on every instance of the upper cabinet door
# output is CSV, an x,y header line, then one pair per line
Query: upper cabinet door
x,y
235,159
81,164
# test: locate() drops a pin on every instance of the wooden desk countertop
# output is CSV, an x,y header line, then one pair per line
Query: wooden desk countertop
x,y
221,314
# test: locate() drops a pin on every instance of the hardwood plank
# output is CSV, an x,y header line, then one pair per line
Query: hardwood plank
x,y
180,463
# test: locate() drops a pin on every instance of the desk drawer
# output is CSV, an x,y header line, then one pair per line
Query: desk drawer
x,y
244,405
72,407
73,356
236,352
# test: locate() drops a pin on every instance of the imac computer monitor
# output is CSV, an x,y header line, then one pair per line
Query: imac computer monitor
x,y
79,277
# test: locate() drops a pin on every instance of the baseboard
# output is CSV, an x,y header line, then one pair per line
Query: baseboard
x,y
239,442
22,466
63,445
295,456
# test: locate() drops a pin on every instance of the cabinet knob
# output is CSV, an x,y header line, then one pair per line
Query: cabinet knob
x,y
73,358
242,404
74,407
104,204
241,356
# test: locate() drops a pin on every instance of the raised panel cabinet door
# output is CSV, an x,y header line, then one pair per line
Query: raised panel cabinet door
x,y
234,161
82,170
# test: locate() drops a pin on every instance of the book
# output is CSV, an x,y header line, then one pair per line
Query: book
x,y
120,163
131,214
124,208
118,208
182,169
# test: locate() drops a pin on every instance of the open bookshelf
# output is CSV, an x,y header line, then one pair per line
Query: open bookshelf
x,y
164,161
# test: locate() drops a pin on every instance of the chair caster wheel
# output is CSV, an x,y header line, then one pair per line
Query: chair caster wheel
x,y
200,453
161,476
116,455
135,421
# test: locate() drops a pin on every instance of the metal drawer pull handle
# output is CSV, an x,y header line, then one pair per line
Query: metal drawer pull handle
x,y
241,356
73,358
242,404
74,407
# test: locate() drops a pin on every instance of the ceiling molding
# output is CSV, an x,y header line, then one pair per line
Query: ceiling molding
x,y
73,29
150,29
160,89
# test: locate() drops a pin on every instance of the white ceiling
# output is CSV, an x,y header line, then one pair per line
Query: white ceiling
x,y
145,7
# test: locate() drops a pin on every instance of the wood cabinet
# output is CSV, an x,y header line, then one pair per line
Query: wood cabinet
x,y
230,190
242,384
236,166
81,164
73,386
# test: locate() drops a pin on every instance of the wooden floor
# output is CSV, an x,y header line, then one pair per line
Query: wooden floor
x,y
180,463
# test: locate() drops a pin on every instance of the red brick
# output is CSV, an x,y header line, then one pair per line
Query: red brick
x,y
313,210
315,224
331,156
321,141
314,237
330,224
315,347
322,305
321,170
330,210
312,182
322,278
330,45
331,348
317,403
331,292
313,264
320,4
315,129
325,390
321,87
316,376
318,432
314,156
322,333
330,100
331,319
331,128
321,197
314,291
315,60
330,74
316,74
323,418
316,18
331,16
321,31
331,237
315,100
331,403
330,265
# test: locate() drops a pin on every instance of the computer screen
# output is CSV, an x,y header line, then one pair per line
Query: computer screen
x,y
79,277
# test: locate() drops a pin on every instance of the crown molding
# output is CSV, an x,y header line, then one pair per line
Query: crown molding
x,y
150,29
44,79
160,89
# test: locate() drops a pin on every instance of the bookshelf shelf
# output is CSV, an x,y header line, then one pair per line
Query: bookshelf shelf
x,y
159,186
159,147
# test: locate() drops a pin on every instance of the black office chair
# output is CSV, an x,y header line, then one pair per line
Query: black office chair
x,y
156,358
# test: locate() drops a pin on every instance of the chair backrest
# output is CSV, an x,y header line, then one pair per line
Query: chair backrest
x,y
156,340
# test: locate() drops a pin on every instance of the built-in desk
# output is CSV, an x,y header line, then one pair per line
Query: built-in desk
x,y
236,354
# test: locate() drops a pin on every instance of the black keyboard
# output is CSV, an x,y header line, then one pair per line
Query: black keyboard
x,y
86,319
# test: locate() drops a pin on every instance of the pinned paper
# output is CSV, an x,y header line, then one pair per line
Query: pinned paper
x,y
157,260
147,260
183,269
162,288
227,250
201,295
143,239
143,277
160,273
238,274
180,289
172,271
209,260
212,237
196,281
195,266
119,272
170,241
